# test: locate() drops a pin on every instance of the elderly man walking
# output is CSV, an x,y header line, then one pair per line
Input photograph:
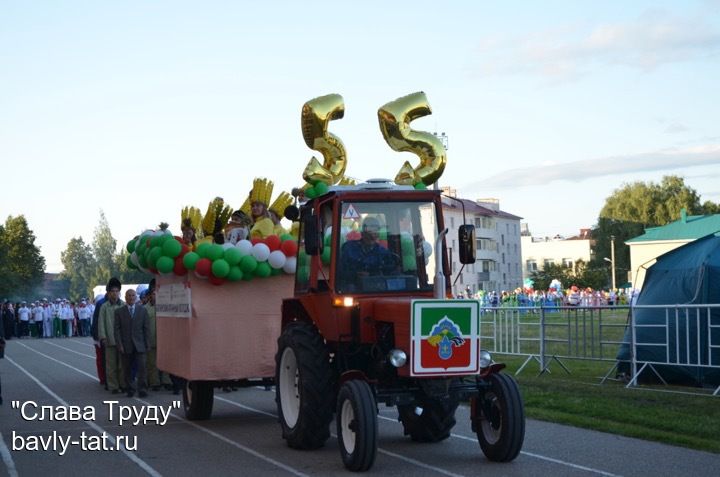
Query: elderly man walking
x,y
132,335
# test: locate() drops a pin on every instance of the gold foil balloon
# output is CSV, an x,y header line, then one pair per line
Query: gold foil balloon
x,y
395,118
406,176
316,115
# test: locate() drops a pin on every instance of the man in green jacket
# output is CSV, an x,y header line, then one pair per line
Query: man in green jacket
x,y
106,325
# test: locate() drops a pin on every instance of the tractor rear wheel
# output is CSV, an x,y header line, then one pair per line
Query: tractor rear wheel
x,y
303,386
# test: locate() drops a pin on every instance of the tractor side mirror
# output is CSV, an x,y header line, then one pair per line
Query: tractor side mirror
x,y
467,244
311,234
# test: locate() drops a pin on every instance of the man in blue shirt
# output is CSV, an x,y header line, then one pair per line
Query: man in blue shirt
x,y
365,257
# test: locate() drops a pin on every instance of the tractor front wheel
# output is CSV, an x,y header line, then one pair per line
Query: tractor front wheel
x,y
499,419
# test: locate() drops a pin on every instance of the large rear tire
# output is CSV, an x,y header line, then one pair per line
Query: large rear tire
x,y
433,424
198,400
499,419
303,386
357,427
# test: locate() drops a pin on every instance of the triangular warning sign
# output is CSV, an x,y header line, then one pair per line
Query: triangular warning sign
x,y
351,213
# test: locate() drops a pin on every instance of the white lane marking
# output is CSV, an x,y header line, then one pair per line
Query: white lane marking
x,y
530,454
141,463
7,458
383,451
70,350
250,451
82,343
208,431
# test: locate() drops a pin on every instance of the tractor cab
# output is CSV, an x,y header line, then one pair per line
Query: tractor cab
x,y
371,239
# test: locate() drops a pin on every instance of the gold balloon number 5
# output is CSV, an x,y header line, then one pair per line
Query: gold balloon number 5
x,y
316,115
395,118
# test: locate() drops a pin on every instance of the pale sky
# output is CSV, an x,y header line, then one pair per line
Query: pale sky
x,y
141,108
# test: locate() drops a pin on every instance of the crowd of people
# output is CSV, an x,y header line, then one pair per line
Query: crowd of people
x,y
46,318
553,297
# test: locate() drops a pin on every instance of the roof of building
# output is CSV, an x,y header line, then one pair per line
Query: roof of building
x,y
688,227
472,207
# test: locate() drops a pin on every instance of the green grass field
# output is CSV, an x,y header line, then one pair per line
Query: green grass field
x,y
665,414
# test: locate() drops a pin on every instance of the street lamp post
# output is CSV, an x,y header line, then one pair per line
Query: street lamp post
x,y
612,259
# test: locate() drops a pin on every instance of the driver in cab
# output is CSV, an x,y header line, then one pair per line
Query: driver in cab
x,y
365,257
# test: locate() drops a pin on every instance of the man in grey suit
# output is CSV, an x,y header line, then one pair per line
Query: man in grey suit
x,y
132,335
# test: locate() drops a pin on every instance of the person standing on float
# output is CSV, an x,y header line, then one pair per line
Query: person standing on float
x,y
259,199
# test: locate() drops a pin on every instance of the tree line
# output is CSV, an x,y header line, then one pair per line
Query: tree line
x,y
87,265
627,212
22,267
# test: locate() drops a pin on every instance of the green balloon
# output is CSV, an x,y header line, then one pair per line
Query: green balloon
x,y
165,264
130,263
275,271
285,237
409,262
310,193
234,274
303,258
142,260
321,188
328,239
303,274
153,255
220,268
247,276
263,270
131,246
420,186
325,257
203,249
248,264
382,234
232,256
171,248
157,240
140,246
190,260
215,252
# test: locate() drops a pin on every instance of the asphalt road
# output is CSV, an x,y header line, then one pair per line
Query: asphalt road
x,y
243,437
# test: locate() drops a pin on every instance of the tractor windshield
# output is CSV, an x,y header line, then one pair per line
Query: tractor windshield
x,y
386,247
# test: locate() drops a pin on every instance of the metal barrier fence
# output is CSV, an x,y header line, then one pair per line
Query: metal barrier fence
x,y
550,334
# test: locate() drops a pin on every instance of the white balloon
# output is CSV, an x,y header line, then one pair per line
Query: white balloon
x,y
245,247
277,259
328,231
290,265
227,245
261,252
427,248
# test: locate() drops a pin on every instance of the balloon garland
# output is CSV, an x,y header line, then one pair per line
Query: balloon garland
x,y
161,253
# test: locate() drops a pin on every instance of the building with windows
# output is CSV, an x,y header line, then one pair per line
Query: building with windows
x,y
539,252
498,260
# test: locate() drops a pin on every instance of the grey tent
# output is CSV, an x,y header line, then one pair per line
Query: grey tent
x,y
686,275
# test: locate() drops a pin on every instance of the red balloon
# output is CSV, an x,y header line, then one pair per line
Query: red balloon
x,y
185,249
289,248
203,267
273,242
256,240
215,280
179,268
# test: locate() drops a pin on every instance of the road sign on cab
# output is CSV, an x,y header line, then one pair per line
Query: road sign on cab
x,y
445,337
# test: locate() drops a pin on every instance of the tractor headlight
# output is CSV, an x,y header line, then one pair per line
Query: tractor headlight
x,y
485,359
397,358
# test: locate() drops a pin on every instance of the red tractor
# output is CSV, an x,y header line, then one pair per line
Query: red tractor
x,y
370,322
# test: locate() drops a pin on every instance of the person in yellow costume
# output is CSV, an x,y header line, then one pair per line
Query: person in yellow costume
x,y
260,196
277,210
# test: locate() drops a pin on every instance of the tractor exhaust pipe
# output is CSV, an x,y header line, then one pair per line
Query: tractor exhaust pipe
x,y
439,288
